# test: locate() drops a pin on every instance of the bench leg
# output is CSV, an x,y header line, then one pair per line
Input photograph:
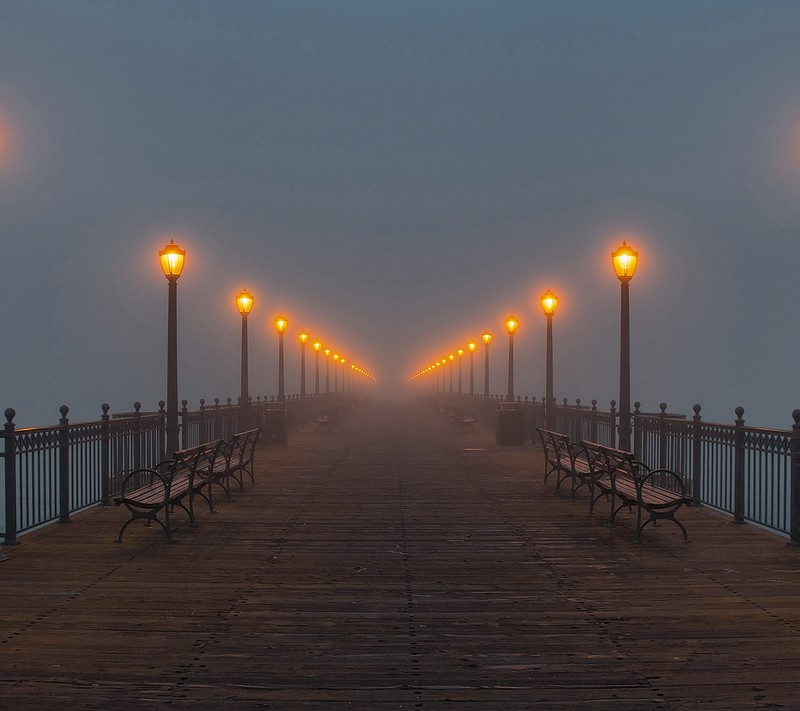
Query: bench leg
x,y
654,517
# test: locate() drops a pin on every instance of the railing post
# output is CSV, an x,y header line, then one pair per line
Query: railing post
x,y
612,421
637,431
794,482
10,455
184,423
662,436
63,466
216,419
105,456
137,435
593,422
697,458
202,431
738,468
162,445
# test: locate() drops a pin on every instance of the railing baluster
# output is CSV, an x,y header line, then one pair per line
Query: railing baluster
x,y
794,485
10,456
738,468
63,466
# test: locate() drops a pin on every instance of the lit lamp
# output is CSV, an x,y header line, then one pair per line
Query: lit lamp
x,y
344,374
327,353
317,346
335,373
443,361
244,304
172,258
452,359
549,303
624,260
281,324
471,346
460,354
486,337
511,326
303,338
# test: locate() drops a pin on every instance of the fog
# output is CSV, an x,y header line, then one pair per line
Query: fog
x,y
395,178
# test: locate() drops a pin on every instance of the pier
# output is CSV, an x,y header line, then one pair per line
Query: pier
x,y
394,562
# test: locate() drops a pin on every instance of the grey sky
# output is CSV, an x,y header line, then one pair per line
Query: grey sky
x,y
396,177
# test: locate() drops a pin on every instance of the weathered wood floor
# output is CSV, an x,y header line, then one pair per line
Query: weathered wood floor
x,y
393,563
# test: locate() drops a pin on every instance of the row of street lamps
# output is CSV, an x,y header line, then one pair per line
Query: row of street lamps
x,y
624,260
172,259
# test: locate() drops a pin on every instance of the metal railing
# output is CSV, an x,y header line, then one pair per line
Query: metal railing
x,y
751,473
52,472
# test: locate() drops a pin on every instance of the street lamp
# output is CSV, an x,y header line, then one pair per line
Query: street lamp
x,y
244,304
303,338
452,359
624,260
486,337
471,346
335,373
460,354
344,375
327,353
511,326
316,346
172,258
281,325
549,303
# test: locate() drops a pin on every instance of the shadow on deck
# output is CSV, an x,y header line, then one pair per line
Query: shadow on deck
x,y
393,563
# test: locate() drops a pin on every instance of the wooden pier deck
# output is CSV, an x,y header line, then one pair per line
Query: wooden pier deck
x,y
393,563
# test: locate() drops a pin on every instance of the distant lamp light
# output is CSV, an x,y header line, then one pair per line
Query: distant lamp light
x,y
172,258
244,302
549,303
460,352
511,325
316,346
486,337
302,337
281,324
471,346
624,260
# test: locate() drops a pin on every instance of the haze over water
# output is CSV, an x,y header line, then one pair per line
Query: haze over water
x,y
396,178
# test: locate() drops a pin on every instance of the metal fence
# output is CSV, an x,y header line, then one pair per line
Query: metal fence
x,y
52,472
751,473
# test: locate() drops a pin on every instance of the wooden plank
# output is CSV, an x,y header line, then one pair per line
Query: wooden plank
x,y
400,564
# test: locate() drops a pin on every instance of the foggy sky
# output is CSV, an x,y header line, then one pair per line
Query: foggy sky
x,y
395,178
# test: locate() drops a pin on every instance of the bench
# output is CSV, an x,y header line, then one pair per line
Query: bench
x,y
191,472
628,483
460,419
568,460
146,492
242,455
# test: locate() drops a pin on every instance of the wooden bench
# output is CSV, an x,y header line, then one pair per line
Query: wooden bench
x,y
146,492
191,472
568,460
628,483
242,456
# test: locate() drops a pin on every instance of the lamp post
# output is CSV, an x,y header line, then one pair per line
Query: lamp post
x,y
327,353
344,375
172,258
316,346
244,304
549,303
452,359
303,338
471,346
443,361
486,337
280,326
511,326
624,260
460,354
335,373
